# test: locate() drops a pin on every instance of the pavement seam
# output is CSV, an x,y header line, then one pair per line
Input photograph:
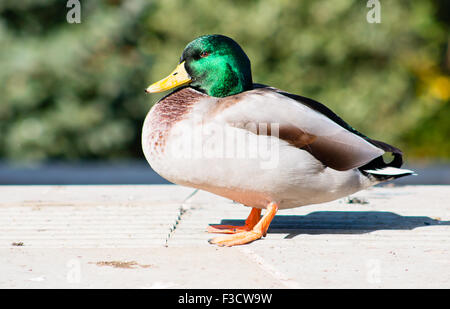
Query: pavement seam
x,y
269,268
184,207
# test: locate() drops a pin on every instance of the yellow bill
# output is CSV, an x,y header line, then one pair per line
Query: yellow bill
x,y
177,78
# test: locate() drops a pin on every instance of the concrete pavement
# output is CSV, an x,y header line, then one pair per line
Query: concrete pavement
x,y
153,236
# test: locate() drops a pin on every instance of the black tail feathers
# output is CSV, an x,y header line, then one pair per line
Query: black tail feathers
x,y
383,171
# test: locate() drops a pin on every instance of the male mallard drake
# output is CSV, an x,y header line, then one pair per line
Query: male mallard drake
x,y
254,144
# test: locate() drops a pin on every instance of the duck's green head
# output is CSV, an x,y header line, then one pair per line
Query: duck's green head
x,y
213,64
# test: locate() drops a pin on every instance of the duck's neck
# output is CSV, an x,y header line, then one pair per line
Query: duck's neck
x,y
228,79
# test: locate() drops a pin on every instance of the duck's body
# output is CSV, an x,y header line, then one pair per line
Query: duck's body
x,y
192,139
261,147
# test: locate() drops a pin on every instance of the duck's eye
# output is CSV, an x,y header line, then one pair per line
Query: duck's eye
x,y
204,54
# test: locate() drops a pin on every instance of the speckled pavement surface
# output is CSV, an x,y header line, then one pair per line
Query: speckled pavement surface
x,y
154,236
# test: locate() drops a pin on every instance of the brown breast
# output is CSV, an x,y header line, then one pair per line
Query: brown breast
x,y
167,112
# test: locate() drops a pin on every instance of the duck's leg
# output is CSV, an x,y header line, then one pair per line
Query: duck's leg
x,y
252,220
258,231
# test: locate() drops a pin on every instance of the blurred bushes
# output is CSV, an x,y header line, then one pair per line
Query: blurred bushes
x,y
75,91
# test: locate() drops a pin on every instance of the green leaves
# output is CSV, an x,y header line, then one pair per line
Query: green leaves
x,y
76,91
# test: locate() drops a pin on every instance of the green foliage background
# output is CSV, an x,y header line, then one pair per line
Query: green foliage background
x,y
75,91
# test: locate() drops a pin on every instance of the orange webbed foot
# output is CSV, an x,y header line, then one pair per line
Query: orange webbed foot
x,y
251,221
245,237
228,229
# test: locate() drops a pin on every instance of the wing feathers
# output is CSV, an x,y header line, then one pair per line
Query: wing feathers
x,y
301,126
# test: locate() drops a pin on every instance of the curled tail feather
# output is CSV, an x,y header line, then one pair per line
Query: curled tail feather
x,y
383,171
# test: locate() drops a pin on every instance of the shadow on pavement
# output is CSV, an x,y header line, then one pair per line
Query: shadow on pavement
x,y
343,222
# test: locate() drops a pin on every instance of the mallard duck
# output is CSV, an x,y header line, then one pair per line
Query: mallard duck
x,y
255,144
